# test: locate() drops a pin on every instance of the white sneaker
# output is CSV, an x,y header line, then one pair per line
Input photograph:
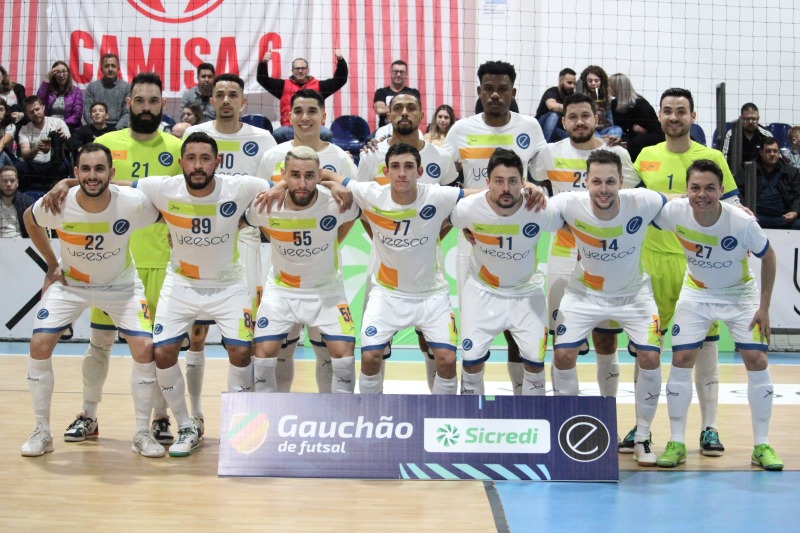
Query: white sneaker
x,y
145,445
39,443
188,441
643,454
200,425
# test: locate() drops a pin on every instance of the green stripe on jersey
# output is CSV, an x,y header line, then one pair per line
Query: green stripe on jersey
x,y
497,229
395,215
292,223
494,139
86,227
696,236
192,210
594,231
563,162
228,146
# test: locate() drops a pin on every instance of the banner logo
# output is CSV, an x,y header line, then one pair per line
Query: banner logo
x,y
583,438
175,12
478,435
447,435
248,431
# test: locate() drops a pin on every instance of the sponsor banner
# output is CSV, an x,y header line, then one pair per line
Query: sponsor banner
x,y
419,437
784,310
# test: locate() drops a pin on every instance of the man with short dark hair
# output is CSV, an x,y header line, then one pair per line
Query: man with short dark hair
x,y
753,135
283,90
12,204
97,127
109,89
384,95
40,145
200,94
777,189
551,106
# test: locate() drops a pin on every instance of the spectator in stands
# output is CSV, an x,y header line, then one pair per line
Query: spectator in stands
x,y
753,135
13,93
12,204
111,90
443,119
40,145
193,114
595,85
551,106
62,99
98,126
284,89
792,154
631,112
201,93
777,189
384,95
7,131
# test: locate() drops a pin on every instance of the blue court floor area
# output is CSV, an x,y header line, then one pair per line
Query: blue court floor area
x,y
655,501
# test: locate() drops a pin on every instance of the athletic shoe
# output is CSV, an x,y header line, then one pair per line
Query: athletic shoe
x,y
763,456
161,432
145,445
187,442
81,429
674,455
710,444
643,454
39,443
626,444
200,425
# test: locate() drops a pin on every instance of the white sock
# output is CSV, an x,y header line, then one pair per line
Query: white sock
x,y
608,373
94,368
706,380
516,373
370,384
679,398
173,387
344,374
759,396
264,374
143,381
195,369
430,368
240,379
324,368
648,389
533,384
284,366
472,384
445,386
565,382
41,382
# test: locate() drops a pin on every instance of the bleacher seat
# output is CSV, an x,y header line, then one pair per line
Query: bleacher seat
x,y
697,133
718,144
350,133
168,119
780,131
257,120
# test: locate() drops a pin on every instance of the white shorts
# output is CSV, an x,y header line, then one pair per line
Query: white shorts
x,y
179,306
559,272
692,320
486,314
125,304
637,314
386,314
329,317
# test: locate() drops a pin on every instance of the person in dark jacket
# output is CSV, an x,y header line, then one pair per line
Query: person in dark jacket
x,y
12,204
777,189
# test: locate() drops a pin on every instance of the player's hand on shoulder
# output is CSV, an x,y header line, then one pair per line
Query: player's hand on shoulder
x,y
342,195
469,236
54,199
372,146
535,197
272,198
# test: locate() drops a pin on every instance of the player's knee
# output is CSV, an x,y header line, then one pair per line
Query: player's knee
x,y
564,358
141,349
754,360
648,360
472,369
684,358
239,356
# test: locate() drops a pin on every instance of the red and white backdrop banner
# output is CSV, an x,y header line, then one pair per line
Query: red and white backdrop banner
x,y
171,37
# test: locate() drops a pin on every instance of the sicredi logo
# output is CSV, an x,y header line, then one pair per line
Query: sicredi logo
x,y
175,12
474,435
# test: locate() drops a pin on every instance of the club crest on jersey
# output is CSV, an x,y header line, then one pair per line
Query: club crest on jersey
x,y
250,148
157,329
371,331
228,209
433,170
42,314
263,322
328,222
427,212
634,225
165,158
675,329
530,230
728,243
561,329
330,167
121,227
466,344
523,140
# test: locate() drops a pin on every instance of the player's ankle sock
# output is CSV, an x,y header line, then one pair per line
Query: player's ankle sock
x,y
324,368
608,373
143,381
648,389
445,385
40,384
173,387
344,374
370,384
264,374
565,382
759,395
516,373
472,384
679,398
706,379
533,384
240,378
90,408
195,370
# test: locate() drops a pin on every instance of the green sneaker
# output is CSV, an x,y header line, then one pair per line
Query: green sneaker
x,y
764,456
673,455
627,444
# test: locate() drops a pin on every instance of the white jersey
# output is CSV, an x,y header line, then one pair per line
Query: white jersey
x,y
305,259
331,158
406,237
471,142
437,165
95,246
565,167
240,152
610,250
503,259
716,256
203,230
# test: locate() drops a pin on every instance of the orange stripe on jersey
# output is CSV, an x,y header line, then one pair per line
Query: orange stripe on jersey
x,y
699,284
285,236
563,176
649,166
593,282
289,280
489,278
491,240
277,177
71,238
80,276
692,247
565,238
384,223
381,180
190,271
119,155
476,153
387,276
588,239
181,222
